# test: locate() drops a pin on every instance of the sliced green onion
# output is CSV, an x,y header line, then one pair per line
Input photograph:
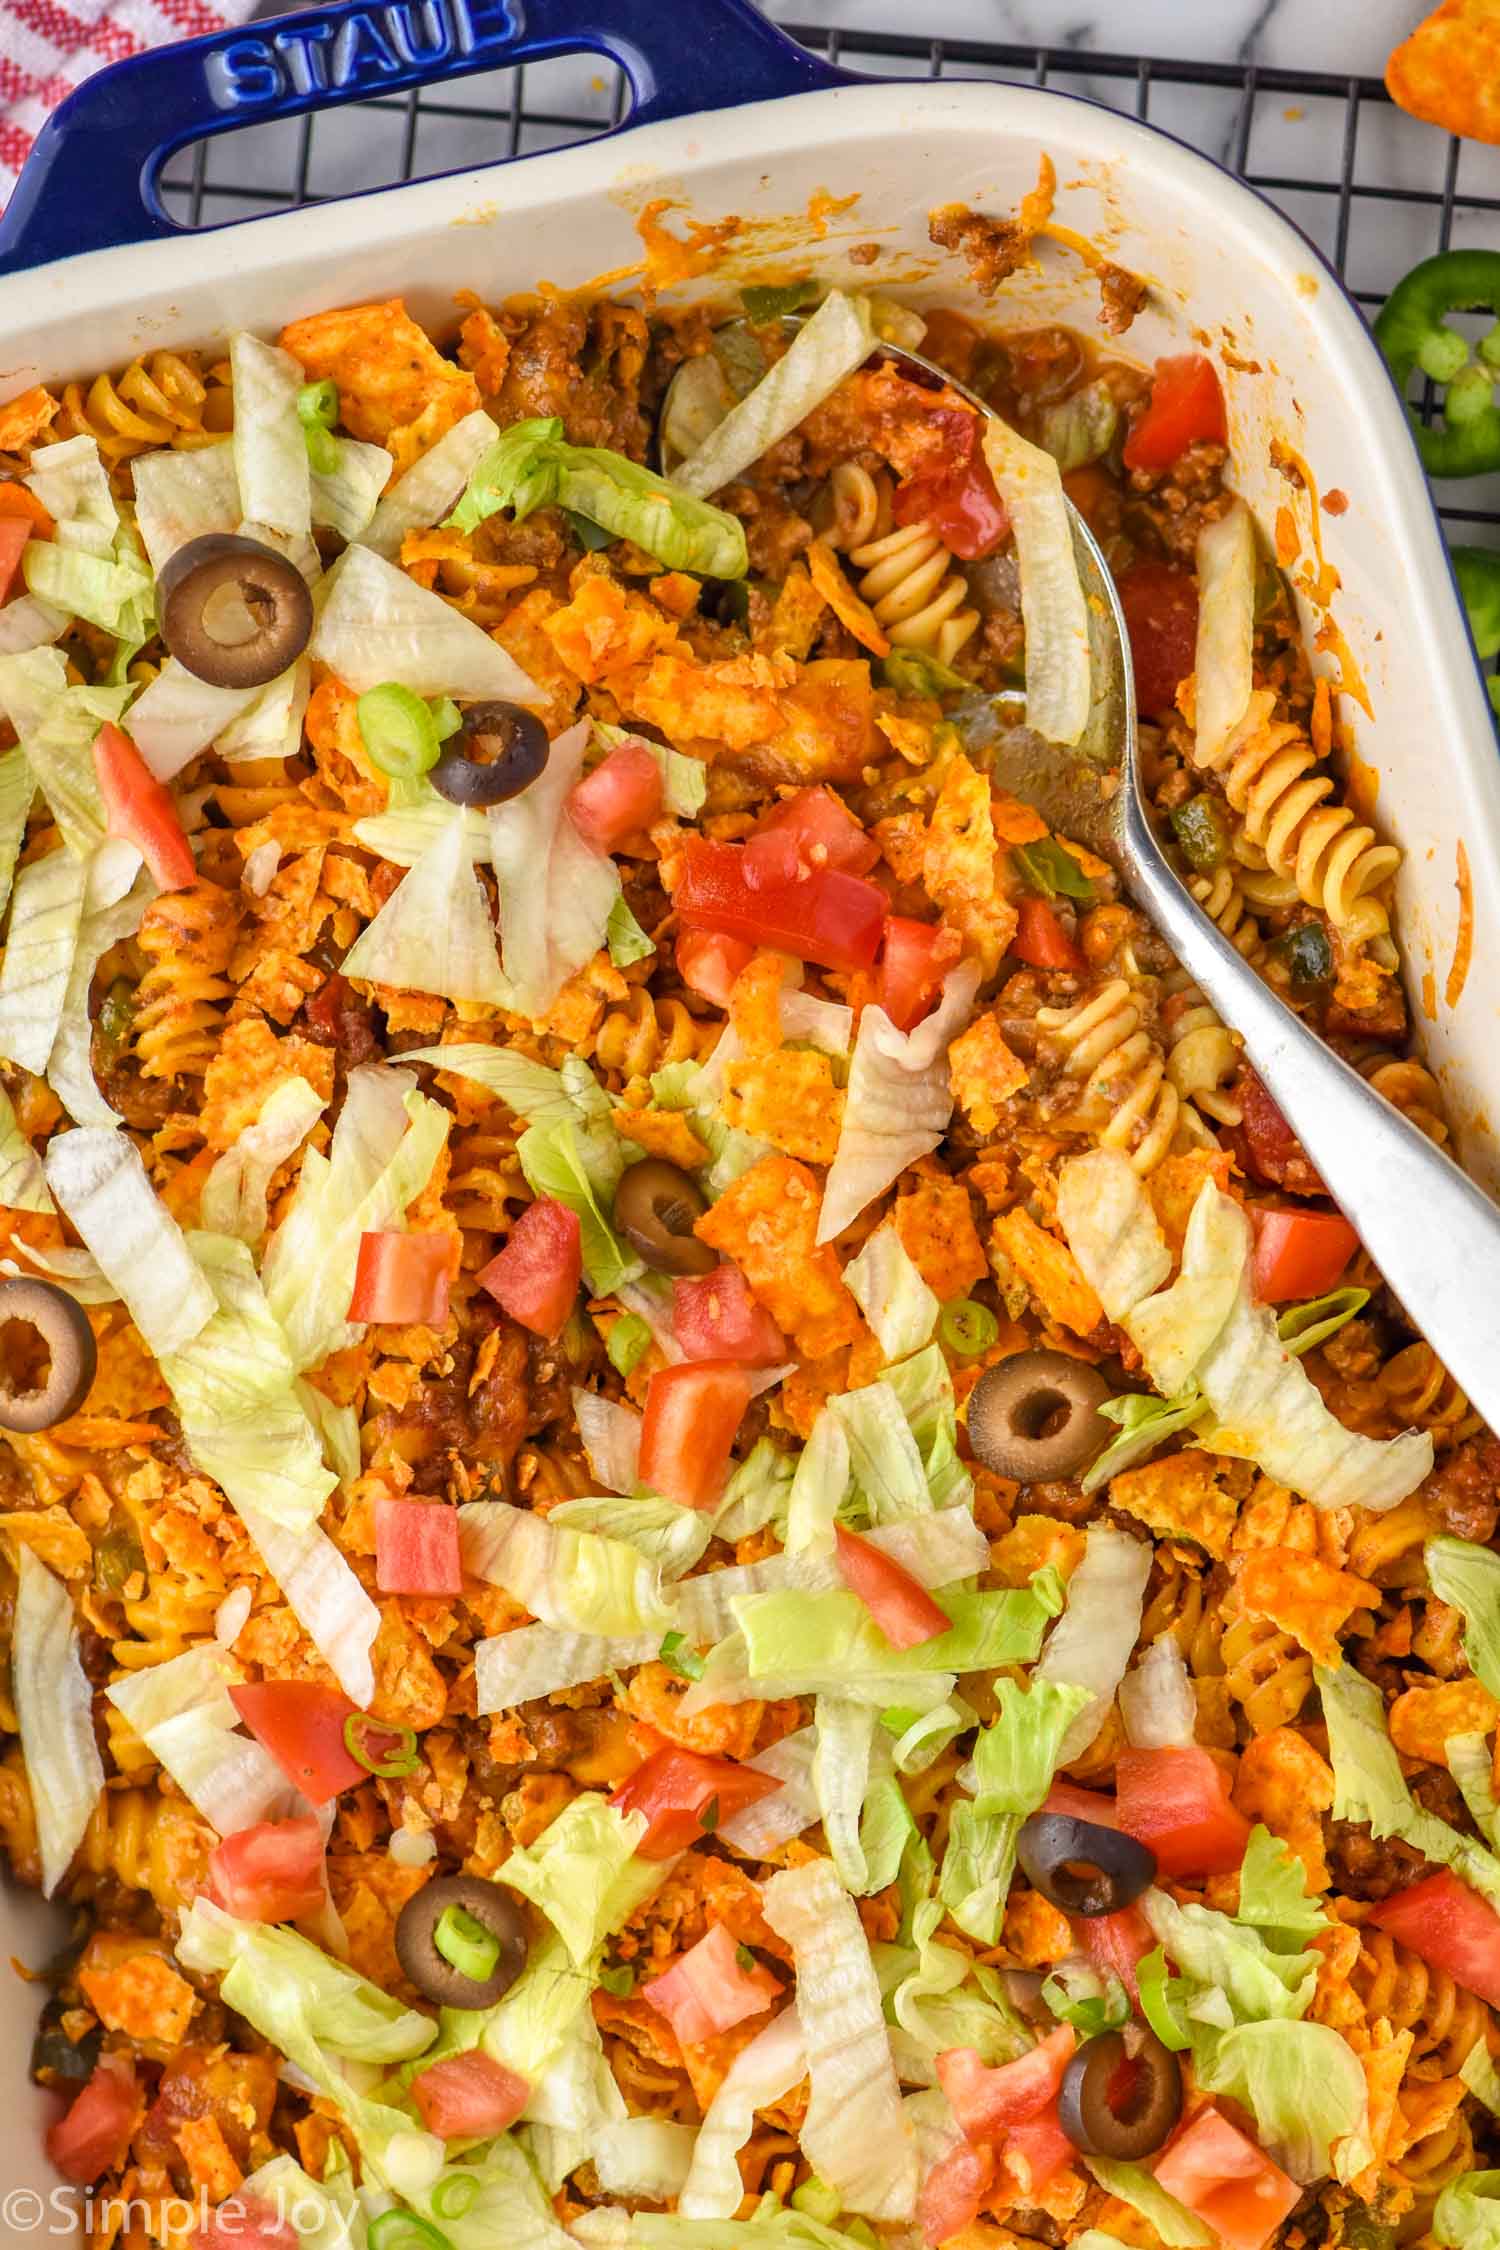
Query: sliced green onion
x,y
446,717
322,450
318,405
708,1819
815,2199
629,1341
679,1655
620,1980
465,1944
1151,1984
967,1327
386,1751
745,1958
404,2230
398,730
452,2197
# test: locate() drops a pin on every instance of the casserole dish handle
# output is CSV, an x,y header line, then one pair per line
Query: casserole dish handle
x,y
91,181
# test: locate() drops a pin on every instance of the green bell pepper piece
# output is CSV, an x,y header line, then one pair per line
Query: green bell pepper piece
x,y
1412,332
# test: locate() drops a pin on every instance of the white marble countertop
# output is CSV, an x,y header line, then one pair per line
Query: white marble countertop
x,y
1347,36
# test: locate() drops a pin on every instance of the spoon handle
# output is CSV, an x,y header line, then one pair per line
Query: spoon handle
x,y
1434,1235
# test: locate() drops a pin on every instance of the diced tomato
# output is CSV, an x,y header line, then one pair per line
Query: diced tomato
x,y
1298,1253
989,2100
1082,1804
15,535
688,1429
1186,404
1041,940
469,2096
900,1604
1041,2146
619,798
708,962
715,1316
707,1991
401,1278
829,917
416,1547
272,1872
1160,603
1450,1927
1115,1943
94,2136
823,831
17,499
913,963
245,2222
676,1789
140,808
1266,1144
957,495
535,1277
1177,1801
1228,2181
324,1008
302,1725
953,2191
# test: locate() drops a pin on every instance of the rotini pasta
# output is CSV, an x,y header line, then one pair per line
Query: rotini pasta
x,y
187,937
1125,1095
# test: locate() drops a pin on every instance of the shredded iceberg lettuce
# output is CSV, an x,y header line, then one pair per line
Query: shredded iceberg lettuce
x,y
856,2135
176,715
889,1290
97,1178
1303,2085
23,1183
1014,1761
233,1201
1223,672
670,1538
837,338
422,493
1467,2216
582,1169
1468,1576
182,1712
832,1637
1157,1704
324,1596
55,1713
611,1435
575,1580
1111,1230
344,496
531,465
761,2074
1090,1645
70,1066
898,1101
270,451
819,1487
183,496
433,933
556,891
45,914
376,624
56,725
385,1144
1053,610
1369,1786
583,1874
844,1734
236,1393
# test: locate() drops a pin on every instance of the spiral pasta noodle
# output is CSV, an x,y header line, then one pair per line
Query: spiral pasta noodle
x,y
1272,781
906,577
187,937
1267,1674
1424,1396
1126,1099
645,1034
159,399
1408,1086
1203,1056
485,1182
1222,898
143,1842
1412,1995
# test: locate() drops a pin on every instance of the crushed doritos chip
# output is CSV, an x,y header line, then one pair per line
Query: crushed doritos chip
x,y
1448,71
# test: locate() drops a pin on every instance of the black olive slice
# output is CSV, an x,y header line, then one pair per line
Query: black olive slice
x,y
1121,2094
233,611
502,749
1036,1416
47,1354
435,1977
1081,1867
656,1204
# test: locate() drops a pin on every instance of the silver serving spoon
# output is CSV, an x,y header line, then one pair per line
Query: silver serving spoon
x,y
1434,1235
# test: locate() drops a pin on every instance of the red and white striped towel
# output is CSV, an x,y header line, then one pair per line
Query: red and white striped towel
x,y
46,47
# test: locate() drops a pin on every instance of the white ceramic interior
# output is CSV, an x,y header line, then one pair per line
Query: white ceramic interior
x,y
1300,373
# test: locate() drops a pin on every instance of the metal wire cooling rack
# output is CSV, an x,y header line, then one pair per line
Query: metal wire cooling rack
x,y
1373,189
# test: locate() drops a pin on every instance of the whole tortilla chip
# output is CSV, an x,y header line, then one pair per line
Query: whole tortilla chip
x,y
1448,71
